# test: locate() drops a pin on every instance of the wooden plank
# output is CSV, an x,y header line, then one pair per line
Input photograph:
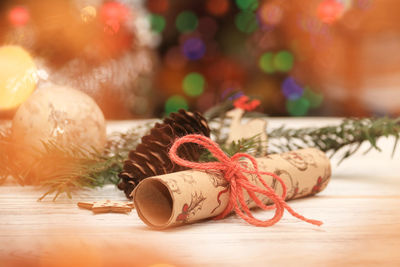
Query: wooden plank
x,y
349,223
360,210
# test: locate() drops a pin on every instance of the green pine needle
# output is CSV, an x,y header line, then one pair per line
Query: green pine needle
x,y
252,146
60,169
348,136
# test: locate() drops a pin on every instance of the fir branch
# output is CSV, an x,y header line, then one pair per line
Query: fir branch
x,y
348,136
251,146
120,143
89,169
63,170
218,110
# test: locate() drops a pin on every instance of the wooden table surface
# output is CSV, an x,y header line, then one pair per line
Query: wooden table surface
x,y
360,209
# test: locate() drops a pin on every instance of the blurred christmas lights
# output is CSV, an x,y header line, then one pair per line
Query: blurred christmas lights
x,y
298,107
193,84
157,23
217,45
217,7
313,98
113,14
18,76
299,99
266,62
329,11
247,4
174,103
186,21
270,13
114,11
88,13
157,6
18,16
246,21
291,89
283,61
194,48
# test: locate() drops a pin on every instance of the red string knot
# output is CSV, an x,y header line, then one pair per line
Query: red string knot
x,y
232,168
234,172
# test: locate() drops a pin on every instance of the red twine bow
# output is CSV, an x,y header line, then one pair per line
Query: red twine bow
x,y
244,103
234,174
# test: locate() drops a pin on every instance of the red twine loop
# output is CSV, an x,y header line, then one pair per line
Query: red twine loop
x,y
234,174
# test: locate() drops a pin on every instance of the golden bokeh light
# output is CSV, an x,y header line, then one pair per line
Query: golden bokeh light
x,y
18,76
88,13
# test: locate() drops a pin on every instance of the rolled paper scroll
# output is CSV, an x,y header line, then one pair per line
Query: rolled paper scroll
x,y
192,195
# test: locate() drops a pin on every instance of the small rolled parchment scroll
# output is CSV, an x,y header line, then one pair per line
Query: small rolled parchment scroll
x,y
192,195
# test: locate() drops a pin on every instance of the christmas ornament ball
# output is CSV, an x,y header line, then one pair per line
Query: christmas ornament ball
x,y
61,115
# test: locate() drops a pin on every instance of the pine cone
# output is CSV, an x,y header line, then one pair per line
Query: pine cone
x,y
150,158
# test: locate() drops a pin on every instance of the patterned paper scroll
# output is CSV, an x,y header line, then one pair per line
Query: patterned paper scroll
x,y
189,196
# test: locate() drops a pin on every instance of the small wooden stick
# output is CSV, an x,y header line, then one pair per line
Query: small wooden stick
x,y
85,205
105,206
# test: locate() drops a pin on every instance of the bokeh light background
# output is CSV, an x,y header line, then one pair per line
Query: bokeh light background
x,y
300,58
